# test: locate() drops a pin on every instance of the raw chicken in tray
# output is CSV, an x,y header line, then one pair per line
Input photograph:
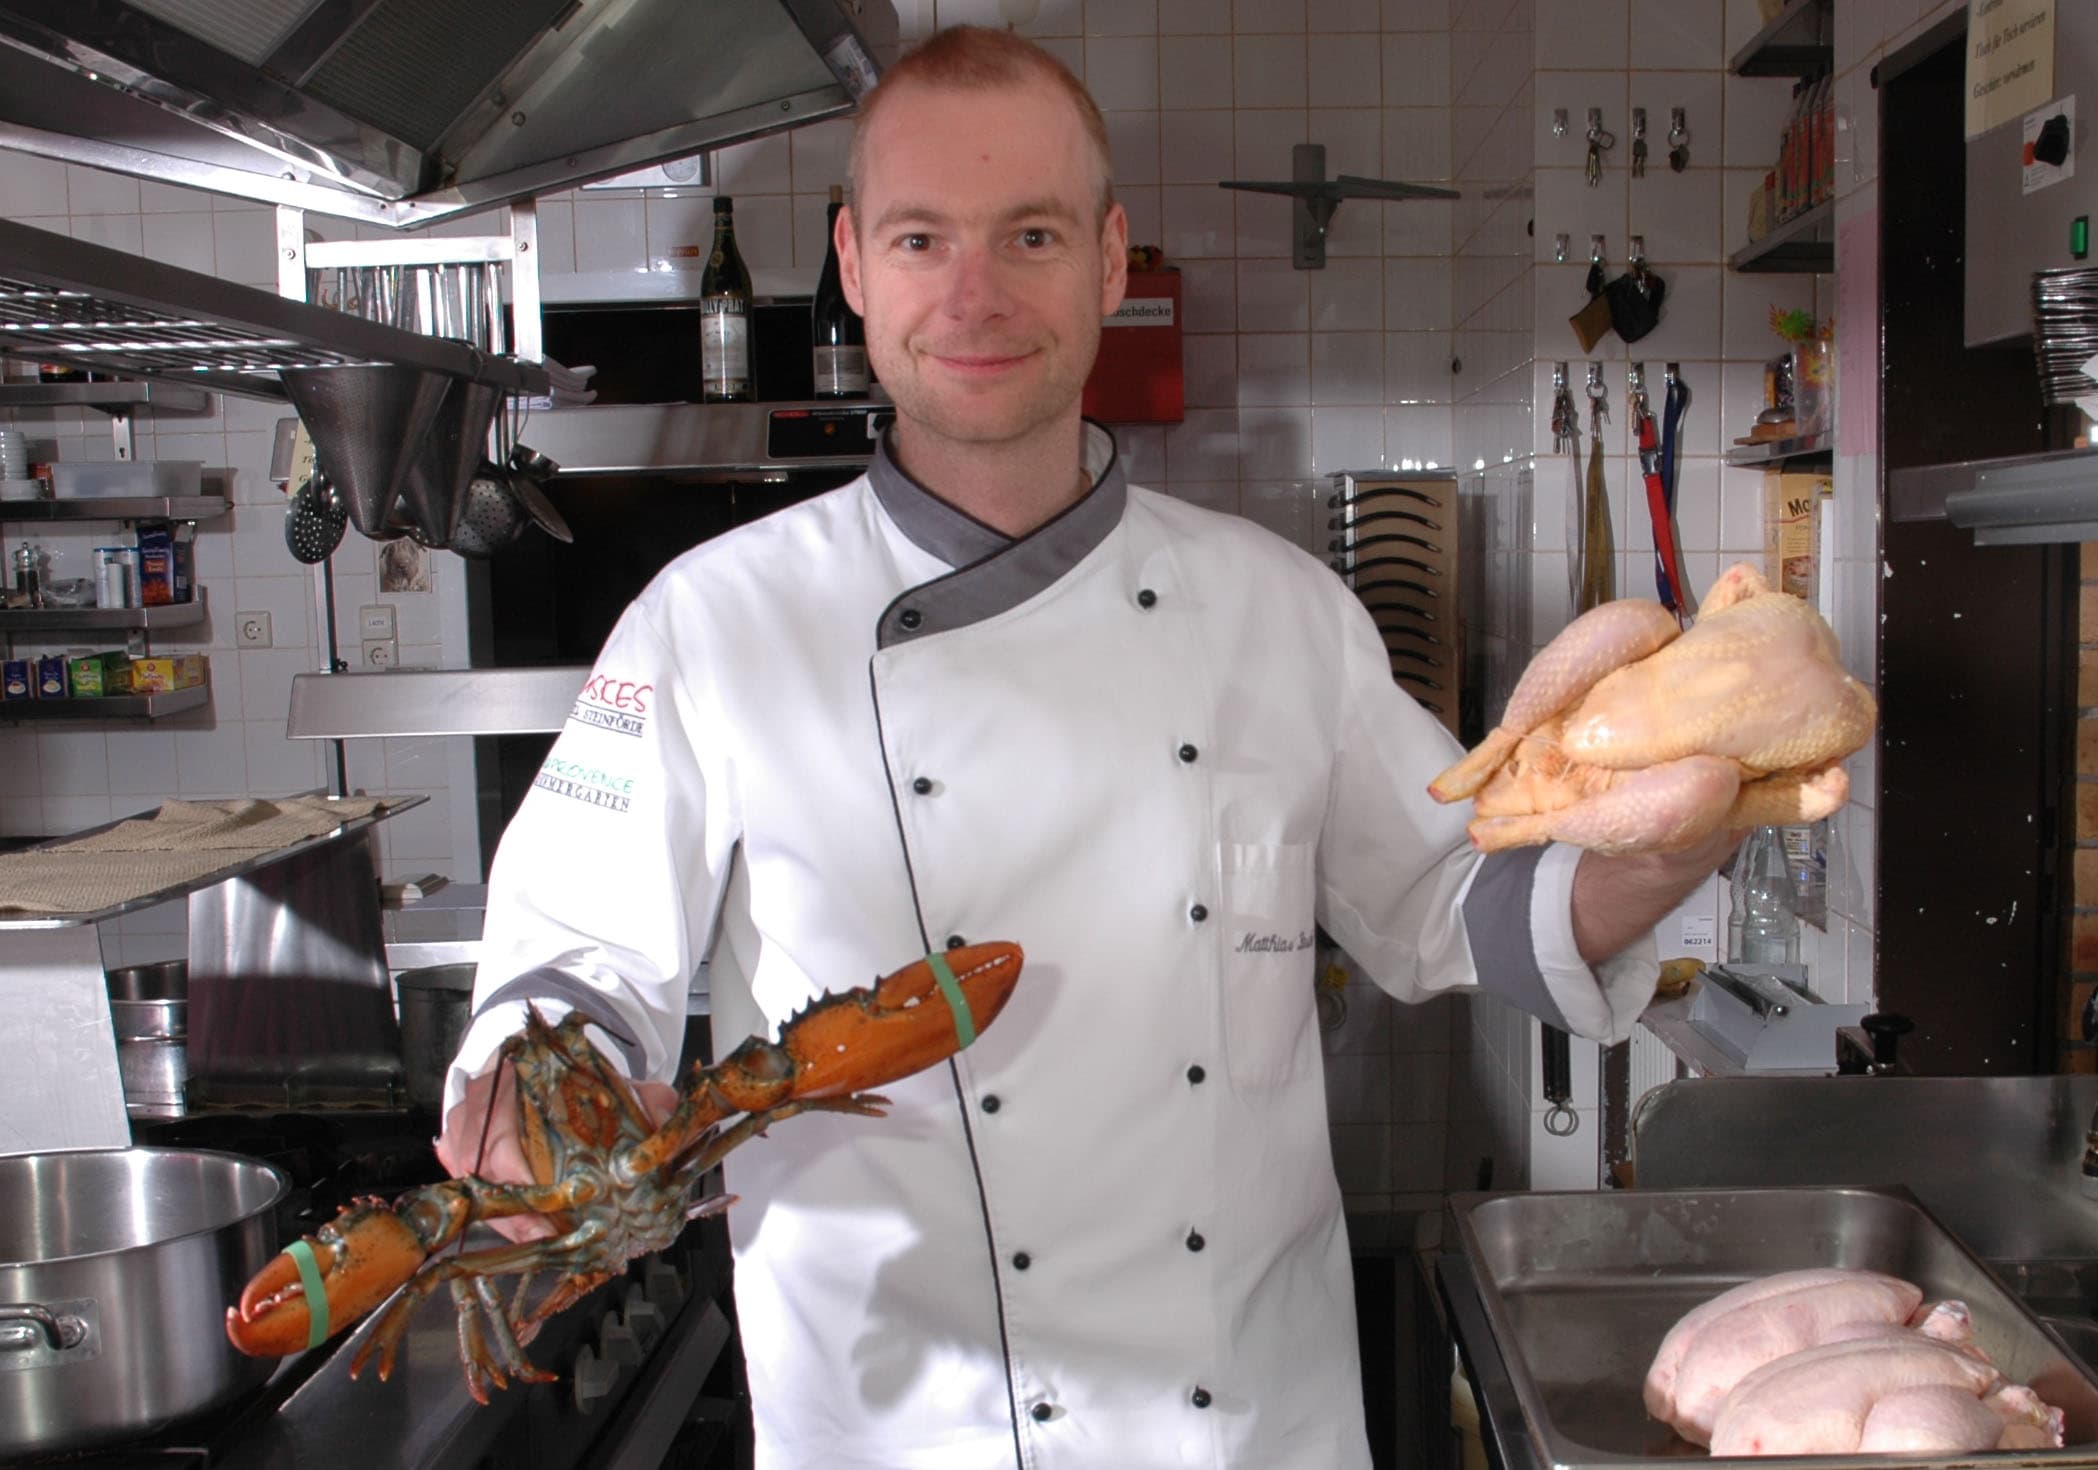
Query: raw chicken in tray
x,y
1828,1362
1821,1326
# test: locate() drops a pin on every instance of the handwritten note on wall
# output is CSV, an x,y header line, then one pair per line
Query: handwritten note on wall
x,y
2010,60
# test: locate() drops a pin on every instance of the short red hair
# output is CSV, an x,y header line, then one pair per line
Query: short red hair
x,y
981,59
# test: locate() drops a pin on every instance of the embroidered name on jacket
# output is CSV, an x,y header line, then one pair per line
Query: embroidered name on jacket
x,y
1251,943
611,703
591,785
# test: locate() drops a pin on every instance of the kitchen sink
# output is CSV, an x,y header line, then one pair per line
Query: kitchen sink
x,y
2063,1295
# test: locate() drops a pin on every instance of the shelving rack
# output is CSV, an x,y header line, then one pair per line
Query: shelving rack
x,y
1799,42
1809,452
122,401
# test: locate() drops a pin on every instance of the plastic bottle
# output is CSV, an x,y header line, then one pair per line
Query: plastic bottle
x,y
1762,928
1806,859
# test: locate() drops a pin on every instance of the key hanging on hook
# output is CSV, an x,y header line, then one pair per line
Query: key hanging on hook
x,y
1635,391
1598,400
1638,142
1678,140
1600,141
1566,425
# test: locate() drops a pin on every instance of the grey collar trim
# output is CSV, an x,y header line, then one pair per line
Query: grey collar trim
x,y
993,572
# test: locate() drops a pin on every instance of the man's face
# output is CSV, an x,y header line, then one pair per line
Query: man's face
x,y
979,260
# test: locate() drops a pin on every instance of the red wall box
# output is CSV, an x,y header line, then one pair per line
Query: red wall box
x,y
1137,377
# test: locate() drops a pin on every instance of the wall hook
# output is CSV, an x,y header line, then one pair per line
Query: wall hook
x,y
1560,245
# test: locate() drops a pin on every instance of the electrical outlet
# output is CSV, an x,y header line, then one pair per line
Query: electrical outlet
x,y
381,653
375,621
252,629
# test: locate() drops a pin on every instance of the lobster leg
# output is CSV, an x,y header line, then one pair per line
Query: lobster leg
x,y
481,1366
365,1254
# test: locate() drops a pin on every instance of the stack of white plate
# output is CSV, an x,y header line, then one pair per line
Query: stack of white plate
x,y
2065,331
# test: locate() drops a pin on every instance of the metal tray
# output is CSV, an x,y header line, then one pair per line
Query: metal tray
x,y
1580,1288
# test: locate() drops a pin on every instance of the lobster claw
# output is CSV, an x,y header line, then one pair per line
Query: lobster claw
x,y
901,1024
361,1257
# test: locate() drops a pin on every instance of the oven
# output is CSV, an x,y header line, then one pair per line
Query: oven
x,y
646,474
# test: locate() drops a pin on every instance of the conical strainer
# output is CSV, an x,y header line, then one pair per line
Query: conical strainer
x,y
434,494
369,424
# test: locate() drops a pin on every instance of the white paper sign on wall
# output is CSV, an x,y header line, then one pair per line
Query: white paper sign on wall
x,y
2010,60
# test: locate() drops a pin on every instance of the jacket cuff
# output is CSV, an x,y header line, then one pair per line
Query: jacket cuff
x,y
1602,1003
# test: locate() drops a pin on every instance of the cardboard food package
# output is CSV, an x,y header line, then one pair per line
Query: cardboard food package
x,y
160,675
1792,531
96,675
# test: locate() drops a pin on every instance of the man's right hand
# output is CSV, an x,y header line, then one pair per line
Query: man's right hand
x,y
480,1138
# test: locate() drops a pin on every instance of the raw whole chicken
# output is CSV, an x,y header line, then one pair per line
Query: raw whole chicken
x,y
1721,1342
1902,1391
1622,736
1833,1361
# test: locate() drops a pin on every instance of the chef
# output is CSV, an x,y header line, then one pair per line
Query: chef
x,y
991,690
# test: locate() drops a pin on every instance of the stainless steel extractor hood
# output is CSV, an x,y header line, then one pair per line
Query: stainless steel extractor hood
x,y
401,112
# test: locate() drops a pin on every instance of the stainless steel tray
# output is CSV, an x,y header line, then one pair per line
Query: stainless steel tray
x,y
1580,1289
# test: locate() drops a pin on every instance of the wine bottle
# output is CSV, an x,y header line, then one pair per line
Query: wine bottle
x,y
840,341
724,314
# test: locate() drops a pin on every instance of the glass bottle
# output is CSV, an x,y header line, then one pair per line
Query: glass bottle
x,y
1762,928
724,314
840,340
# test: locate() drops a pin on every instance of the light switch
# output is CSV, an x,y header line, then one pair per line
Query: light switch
x,y
375,621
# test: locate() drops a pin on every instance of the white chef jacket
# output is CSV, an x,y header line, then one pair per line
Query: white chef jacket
x,y
1155,746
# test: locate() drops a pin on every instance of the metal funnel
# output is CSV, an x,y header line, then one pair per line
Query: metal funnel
x,y
433,496
369,424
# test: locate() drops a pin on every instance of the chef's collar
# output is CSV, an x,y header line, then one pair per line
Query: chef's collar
x,y
993,571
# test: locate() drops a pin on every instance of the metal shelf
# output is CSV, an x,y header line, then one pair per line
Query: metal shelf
x,y
118,508
1799,43
149,619
67,300
172,398
1802,245
112,707
236,867
1778,453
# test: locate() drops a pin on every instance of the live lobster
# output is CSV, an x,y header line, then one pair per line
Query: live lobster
x,y
613,1184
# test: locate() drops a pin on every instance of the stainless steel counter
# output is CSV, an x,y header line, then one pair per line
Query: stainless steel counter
x,y
1997,1159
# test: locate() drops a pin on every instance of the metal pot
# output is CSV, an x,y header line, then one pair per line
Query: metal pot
x,y
116,1269
149,1007
436,1004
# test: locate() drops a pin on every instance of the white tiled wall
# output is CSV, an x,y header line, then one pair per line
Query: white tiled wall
x,y
1514,63
1290,374
56,778
1427,338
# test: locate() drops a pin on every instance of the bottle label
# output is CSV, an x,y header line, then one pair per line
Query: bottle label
x,y
840,371
724,350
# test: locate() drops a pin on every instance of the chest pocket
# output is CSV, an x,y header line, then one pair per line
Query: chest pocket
x,y
1267,962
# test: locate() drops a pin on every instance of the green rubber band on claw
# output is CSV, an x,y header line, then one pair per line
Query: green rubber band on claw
x,y
316,1295
964,1023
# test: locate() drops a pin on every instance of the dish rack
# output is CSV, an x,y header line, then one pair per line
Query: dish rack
x,y
1395,542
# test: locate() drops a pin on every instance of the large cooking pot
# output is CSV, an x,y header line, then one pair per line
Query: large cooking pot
x,y
116,1268
149,1006
436,1005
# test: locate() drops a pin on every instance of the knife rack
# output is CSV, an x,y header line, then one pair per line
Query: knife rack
x,y
1394,541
